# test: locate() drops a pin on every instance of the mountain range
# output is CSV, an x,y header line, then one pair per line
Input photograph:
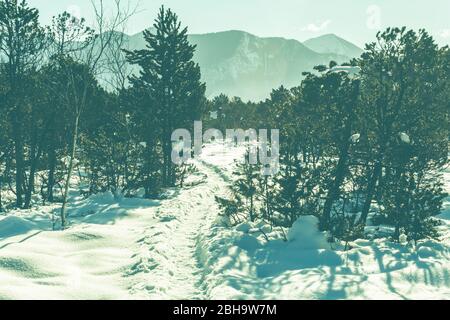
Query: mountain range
x,y
238,63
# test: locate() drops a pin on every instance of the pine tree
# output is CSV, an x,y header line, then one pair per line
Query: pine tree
x,y
402,88
288,195
245,186
172,81
243,199
4,136
335,96
231,208
266,195
21,42
145,127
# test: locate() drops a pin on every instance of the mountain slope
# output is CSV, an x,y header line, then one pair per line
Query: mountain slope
x,y
330,43
238,63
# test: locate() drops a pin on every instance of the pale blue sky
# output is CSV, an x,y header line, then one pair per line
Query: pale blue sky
x,y
354,20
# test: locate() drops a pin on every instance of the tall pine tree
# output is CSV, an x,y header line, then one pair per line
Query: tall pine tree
x,y
172,81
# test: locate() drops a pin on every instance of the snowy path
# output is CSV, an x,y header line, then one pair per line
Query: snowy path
x,y
115,249
178,249
170,255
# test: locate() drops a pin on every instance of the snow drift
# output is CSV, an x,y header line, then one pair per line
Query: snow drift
x,y
180,248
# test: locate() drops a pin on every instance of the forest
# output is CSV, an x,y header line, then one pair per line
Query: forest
x,y
364,143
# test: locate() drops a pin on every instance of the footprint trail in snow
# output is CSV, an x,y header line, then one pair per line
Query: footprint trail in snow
x,y
169,258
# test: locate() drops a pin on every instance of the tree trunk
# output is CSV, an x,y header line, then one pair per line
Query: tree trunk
x,y
31,178
69,172
51,173
334,191
169,174
252,218
341,168
371,191
1,188
2,176
34,159
149,167
19,157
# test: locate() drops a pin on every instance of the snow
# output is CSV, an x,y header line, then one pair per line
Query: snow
x,y
446,210
66,161
167,254
12,226
305,235
252,269
404,138
213,115
87,261
352,71
403,239
181,248
355,138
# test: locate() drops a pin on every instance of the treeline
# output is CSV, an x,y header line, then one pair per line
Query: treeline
x,y
71,107
360,144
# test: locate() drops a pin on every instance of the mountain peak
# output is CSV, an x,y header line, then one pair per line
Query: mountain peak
x,y
329,35
331,43
238,63
225,32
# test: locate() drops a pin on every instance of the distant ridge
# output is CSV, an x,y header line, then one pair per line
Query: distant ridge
x,y
238,63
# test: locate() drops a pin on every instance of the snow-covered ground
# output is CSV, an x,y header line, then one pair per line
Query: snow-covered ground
x,y
180,248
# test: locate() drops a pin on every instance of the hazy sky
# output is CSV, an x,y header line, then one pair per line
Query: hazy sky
x,y
354,20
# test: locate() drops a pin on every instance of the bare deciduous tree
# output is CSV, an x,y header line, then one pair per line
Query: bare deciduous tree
x,y
93,56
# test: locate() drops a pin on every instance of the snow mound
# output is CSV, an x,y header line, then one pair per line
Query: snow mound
x,y
405,138
106,197
352,71
12,226
304,234
355,138
244,227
